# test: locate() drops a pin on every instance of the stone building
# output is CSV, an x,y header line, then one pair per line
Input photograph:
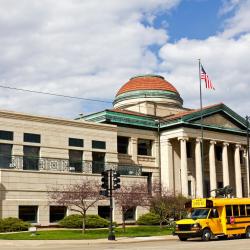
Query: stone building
x,y
148,136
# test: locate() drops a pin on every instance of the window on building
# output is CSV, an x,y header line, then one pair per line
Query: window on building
x,y
28,213
189,149
242,210
144,147
189,188
248,210
31,158
5,155
104,211
57,213
35,138
149,181
228,211
218,153
236,210
74,142
6,135
99,144
130,214
75,160
98,162
122,144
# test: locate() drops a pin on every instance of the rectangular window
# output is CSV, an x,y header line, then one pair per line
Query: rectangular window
x,y
104,211
31,158
74,142
228,211
248,210
149,181
218,153
189,188
5,155
98,164
75,160
122,144
189,149
56,213
144,147
99,144
28,213
235,210
35,138
6,135
130,214
242,210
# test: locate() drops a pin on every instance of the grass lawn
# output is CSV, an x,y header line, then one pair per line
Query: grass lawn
x,y
90,234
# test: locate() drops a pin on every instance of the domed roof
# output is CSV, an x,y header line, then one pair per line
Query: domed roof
x,y
147,88
147,82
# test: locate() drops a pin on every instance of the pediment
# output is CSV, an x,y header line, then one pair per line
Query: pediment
x,y
219,120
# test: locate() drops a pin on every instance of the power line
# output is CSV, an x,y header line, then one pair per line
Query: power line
x,y
54,94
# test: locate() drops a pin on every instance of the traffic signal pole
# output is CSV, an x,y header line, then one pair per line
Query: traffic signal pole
x,y
111,231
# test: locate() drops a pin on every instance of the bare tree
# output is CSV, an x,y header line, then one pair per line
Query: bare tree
x,y
167,205
129,197
77,197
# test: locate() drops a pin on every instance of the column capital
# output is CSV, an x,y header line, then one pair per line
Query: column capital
x,y
212,142
225,144
198,140
183,138
237,146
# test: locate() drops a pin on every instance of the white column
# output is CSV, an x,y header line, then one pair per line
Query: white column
x,y
184,172
238,183
212,167
167,176
225,164
198,169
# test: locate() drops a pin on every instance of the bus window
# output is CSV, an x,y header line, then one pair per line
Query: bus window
x,y
242,210
236,210
213,213
228,211
248,209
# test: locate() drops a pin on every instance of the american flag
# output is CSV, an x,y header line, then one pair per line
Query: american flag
x,y
204,76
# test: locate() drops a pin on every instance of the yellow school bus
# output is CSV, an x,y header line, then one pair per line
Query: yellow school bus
x,y
215,217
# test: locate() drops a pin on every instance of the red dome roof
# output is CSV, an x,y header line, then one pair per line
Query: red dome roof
x,y
147,82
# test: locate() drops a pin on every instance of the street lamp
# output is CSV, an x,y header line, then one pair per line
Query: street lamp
x,y
157,122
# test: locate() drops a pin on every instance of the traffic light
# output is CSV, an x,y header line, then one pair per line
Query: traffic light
x,y
105,180
117,180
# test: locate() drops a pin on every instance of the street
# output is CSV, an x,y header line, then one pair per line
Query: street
x,y
131,244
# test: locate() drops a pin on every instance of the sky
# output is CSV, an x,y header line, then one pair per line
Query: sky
x,y
91,48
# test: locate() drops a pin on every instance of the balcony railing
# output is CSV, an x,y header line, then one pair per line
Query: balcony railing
x,y
63,165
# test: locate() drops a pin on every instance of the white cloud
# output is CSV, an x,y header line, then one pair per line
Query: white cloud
x,y
74,47
226,62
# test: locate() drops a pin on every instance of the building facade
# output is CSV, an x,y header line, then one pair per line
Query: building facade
x,y
148,137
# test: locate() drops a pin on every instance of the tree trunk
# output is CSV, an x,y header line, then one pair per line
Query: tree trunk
x,y
161,224
83,222
123,222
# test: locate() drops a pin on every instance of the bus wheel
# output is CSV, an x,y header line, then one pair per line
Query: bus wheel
x,y
181,238
248,233
206,235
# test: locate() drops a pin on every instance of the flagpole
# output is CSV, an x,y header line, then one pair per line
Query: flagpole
x,y
202,132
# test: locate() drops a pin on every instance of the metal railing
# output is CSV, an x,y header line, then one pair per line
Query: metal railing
x,y
63,165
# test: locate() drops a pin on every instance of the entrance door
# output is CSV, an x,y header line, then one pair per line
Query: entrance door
x,y
215,222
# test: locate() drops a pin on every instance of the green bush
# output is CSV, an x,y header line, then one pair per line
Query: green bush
x,y
13,224
148,219
75,221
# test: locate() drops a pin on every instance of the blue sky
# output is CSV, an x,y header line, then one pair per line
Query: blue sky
x,y
87,49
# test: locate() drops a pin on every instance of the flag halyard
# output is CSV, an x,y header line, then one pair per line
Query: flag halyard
x,y
204,76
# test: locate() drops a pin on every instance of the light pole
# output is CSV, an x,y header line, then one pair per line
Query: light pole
x,y
157,122
248,158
